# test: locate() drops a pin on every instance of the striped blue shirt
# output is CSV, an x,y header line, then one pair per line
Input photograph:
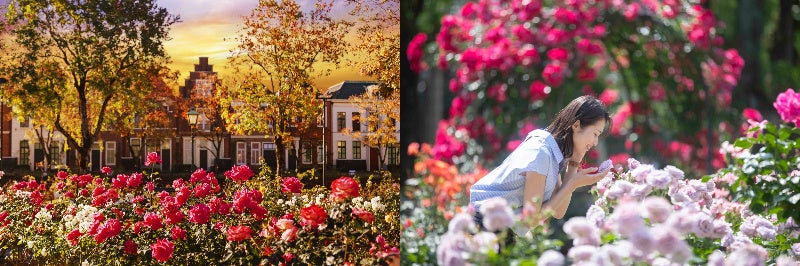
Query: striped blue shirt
x,y
538,153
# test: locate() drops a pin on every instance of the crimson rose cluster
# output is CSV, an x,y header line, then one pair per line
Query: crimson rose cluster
x,y
241,219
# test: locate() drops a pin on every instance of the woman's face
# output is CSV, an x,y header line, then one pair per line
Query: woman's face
x,y
585,138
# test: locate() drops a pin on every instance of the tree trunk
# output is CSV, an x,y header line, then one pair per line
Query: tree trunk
x,y
749,28
783,46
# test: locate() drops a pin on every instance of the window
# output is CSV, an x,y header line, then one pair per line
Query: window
x,y
356,122
269,146
241,153
319,154
372,121
152,145
55,153
25,122
356,149
255,153
393,153
340,120
341,148
136,145
307,153
24,153
111,153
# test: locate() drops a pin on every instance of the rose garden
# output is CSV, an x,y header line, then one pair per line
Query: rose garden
x,y
240,219
700,176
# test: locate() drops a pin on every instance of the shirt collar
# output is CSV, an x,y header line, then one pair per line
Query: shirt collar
x,y
551,143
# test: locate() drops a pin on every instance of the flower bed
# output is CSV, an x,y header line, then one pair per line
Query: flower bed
x,y
247,219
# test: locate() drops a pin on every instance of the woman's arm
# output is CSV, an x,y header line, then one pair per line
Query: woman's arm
x,y
559,200
561,197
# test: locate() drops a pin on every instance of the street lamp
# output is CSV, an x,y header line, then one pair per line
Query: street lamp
x,y
324,125
192,115
2,120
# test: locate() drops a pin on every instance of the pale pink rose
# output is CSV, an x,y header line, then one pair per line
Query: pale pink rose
x,y
703,225
550,258
497,215
582,231
626,219
658,178
620,188
462,222
596,216
717,258
674,172
642,240
657,209
640,191
682,221
581,253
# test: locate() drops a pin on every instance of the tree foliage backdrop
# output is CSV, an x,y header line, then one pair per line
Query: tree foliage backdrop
x,y
278,55
81,59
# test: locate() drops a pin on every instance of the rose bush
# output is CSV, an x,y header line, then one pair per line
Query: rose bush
x,y
243,219
513,64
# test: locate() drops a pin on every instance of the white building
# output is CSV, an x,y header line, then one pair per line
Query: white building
x,y
347,152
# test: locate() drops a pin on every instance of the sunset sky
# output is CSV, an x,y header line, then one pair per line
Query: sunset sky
x,y
209,27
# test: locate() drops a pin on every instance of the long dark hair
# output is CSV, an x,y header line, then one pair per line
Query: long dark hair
x,y
586,109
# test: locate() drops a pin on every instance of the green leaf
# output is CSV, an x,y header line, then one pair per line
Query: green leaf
x,y
743,143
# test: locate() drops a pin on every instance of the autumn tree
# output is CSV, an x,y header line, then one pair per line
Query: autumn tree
x,y
383,115
281,50
92,51
378,57
154,114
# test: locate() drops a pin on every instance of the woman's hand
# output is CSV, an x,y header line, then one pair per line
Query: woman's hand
x,y
577,177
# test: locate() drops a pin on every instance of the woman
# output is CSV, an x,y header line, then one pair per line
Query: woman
x,y
533,170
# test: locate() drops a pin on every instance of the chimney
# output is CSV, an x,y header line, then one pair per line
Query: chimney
x,y
203,66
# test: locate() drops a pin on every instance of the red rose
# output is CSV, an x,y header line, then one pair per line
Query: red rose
x,y
162,250
364,215
313,216
108,230
131,247
106,170
152,220
218,205
344,188
62,175
120,182
150,186
239,173
61,185
134,180
239,233
73,236
202,190
153,158
267,251
178,233
291,185
288,257
199,214
199,175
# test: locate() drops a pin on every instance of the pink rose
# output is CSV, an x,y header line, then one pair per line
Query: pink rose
x,y
239,173
344,188
291,185
364,215
199,214
152,158
178,233
162,250
131,247
313,216
239,233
